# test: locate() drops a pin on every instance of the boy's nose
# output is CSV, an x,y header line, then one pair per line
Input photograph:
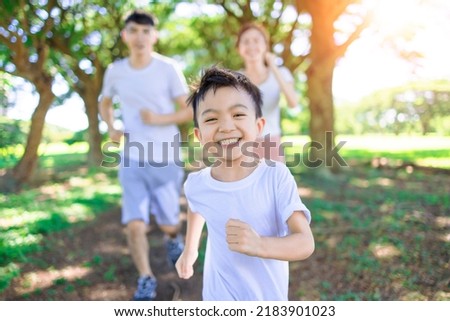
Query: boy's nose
x,y
226,125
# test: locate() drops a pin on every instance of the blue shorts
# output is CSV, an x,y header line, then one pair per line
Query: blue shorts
x,y
151,189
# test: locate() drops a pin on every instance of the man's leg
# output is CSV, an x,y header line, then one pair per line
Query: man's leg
x,y
171,230
135,208
136,232
174,242
139,249
166,206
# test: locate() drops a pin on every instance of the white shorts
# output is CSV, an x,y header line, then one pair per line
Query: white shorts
x,y
150,189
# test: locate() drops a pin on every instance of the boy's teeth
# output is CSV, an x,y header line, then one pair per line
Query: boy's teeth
x,y
228,141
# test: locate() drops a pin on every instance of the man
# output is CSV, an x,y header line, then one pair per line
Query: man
x,y
148,85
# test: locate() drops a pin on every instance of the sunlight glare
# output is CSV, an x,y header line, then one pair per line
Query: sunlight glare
x,y
407,25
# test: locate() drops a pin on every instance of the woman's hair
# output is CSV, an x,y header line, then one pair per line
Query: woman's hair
x,y
253,25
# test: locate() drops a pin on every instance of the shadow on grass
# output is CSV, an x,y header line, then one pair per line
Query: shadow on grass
x,y
381,234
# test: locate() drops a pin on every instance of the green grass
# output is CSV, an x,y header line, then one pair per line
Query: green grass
x,y
26,218
428,151
50,155
381,232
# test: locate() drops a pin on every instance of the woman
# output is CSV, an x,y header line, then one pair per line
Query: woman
x,y
261,69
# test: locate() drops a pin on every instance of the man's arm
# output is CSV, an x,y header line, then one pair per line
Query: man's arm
x,y
298,245
187,259
182,115
106,110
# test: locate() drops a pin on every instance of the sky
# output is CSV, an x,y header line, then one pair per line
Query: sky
x,y
365,68
368,67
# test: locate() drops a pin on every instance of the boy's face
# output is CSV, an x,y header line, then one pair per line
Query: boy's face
x,y
139,38
227,123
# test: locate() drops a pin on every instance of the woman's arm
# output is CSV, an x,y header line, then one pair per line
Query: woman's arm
x,y
287,88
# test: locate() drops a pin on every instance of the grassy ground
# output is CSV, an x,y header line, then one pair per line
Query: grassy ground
x,y
382,228
381,234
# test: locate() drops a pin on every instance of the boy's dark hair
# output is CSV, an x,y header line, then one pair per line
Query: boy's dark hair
x,y
215,78
141,18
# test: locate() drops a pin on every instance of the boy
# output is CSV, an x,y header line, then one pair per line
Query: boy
x,y
148,86
255,219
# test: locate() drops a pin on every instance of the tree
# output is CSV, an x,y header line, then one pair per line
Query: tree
x,y
24,29
88,38
83,39
324,53
316,21
414,107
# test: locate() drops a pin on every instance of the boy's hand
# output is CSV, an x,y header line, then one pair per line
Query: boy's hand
x,y
242,238
185,264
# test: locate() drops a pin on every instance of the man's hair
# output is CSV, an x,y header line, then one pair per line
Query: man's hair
x,y
142,18
215,78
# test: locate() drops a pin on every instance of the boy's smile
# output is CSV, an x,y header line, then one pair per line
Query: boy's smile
x,y
229,142
226,121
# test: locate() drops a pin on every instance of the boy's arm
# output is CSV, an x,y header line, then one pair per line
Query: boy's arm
x,y
298,245
106,110
187,259
182,115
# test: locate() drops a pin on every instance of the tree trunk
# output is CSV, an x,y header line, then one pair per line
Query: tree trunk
x,y
25,168
321,124
320,80
94,136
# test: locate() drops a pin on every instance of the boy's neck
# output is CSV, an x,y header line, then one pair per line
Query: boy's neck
x,y
140,61
233,172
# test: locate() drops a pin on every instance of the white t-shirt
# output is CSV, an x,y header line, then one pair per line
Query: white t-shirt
x,y
154,87
265,200
271,91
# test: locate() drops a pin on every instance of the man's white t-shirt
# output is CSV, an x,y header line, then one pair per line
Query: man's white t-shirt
x,y
155,87
265,200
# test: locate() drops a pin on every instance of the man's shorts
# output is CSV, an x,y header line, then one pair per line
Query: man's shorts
x,y
150,189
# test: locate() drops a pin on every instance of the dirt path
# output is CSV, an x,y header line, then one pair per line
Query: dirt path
x,y
91,262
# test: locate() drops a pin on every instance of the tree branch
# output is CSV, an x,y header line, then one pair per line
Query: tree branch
x,y
298,62
229,12
340,7
13,46
301,6
340,50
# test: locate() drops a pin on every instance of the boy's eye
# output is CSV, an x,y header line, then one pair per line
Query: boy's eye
x,y
208,120
239,115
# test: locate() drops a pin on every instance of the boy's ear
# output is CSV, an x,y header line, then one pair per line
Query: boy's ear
x,y
260,123
198,134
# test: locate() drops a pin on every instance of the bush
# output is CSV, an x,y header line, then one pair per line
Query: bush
x,y
80,136
11,134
